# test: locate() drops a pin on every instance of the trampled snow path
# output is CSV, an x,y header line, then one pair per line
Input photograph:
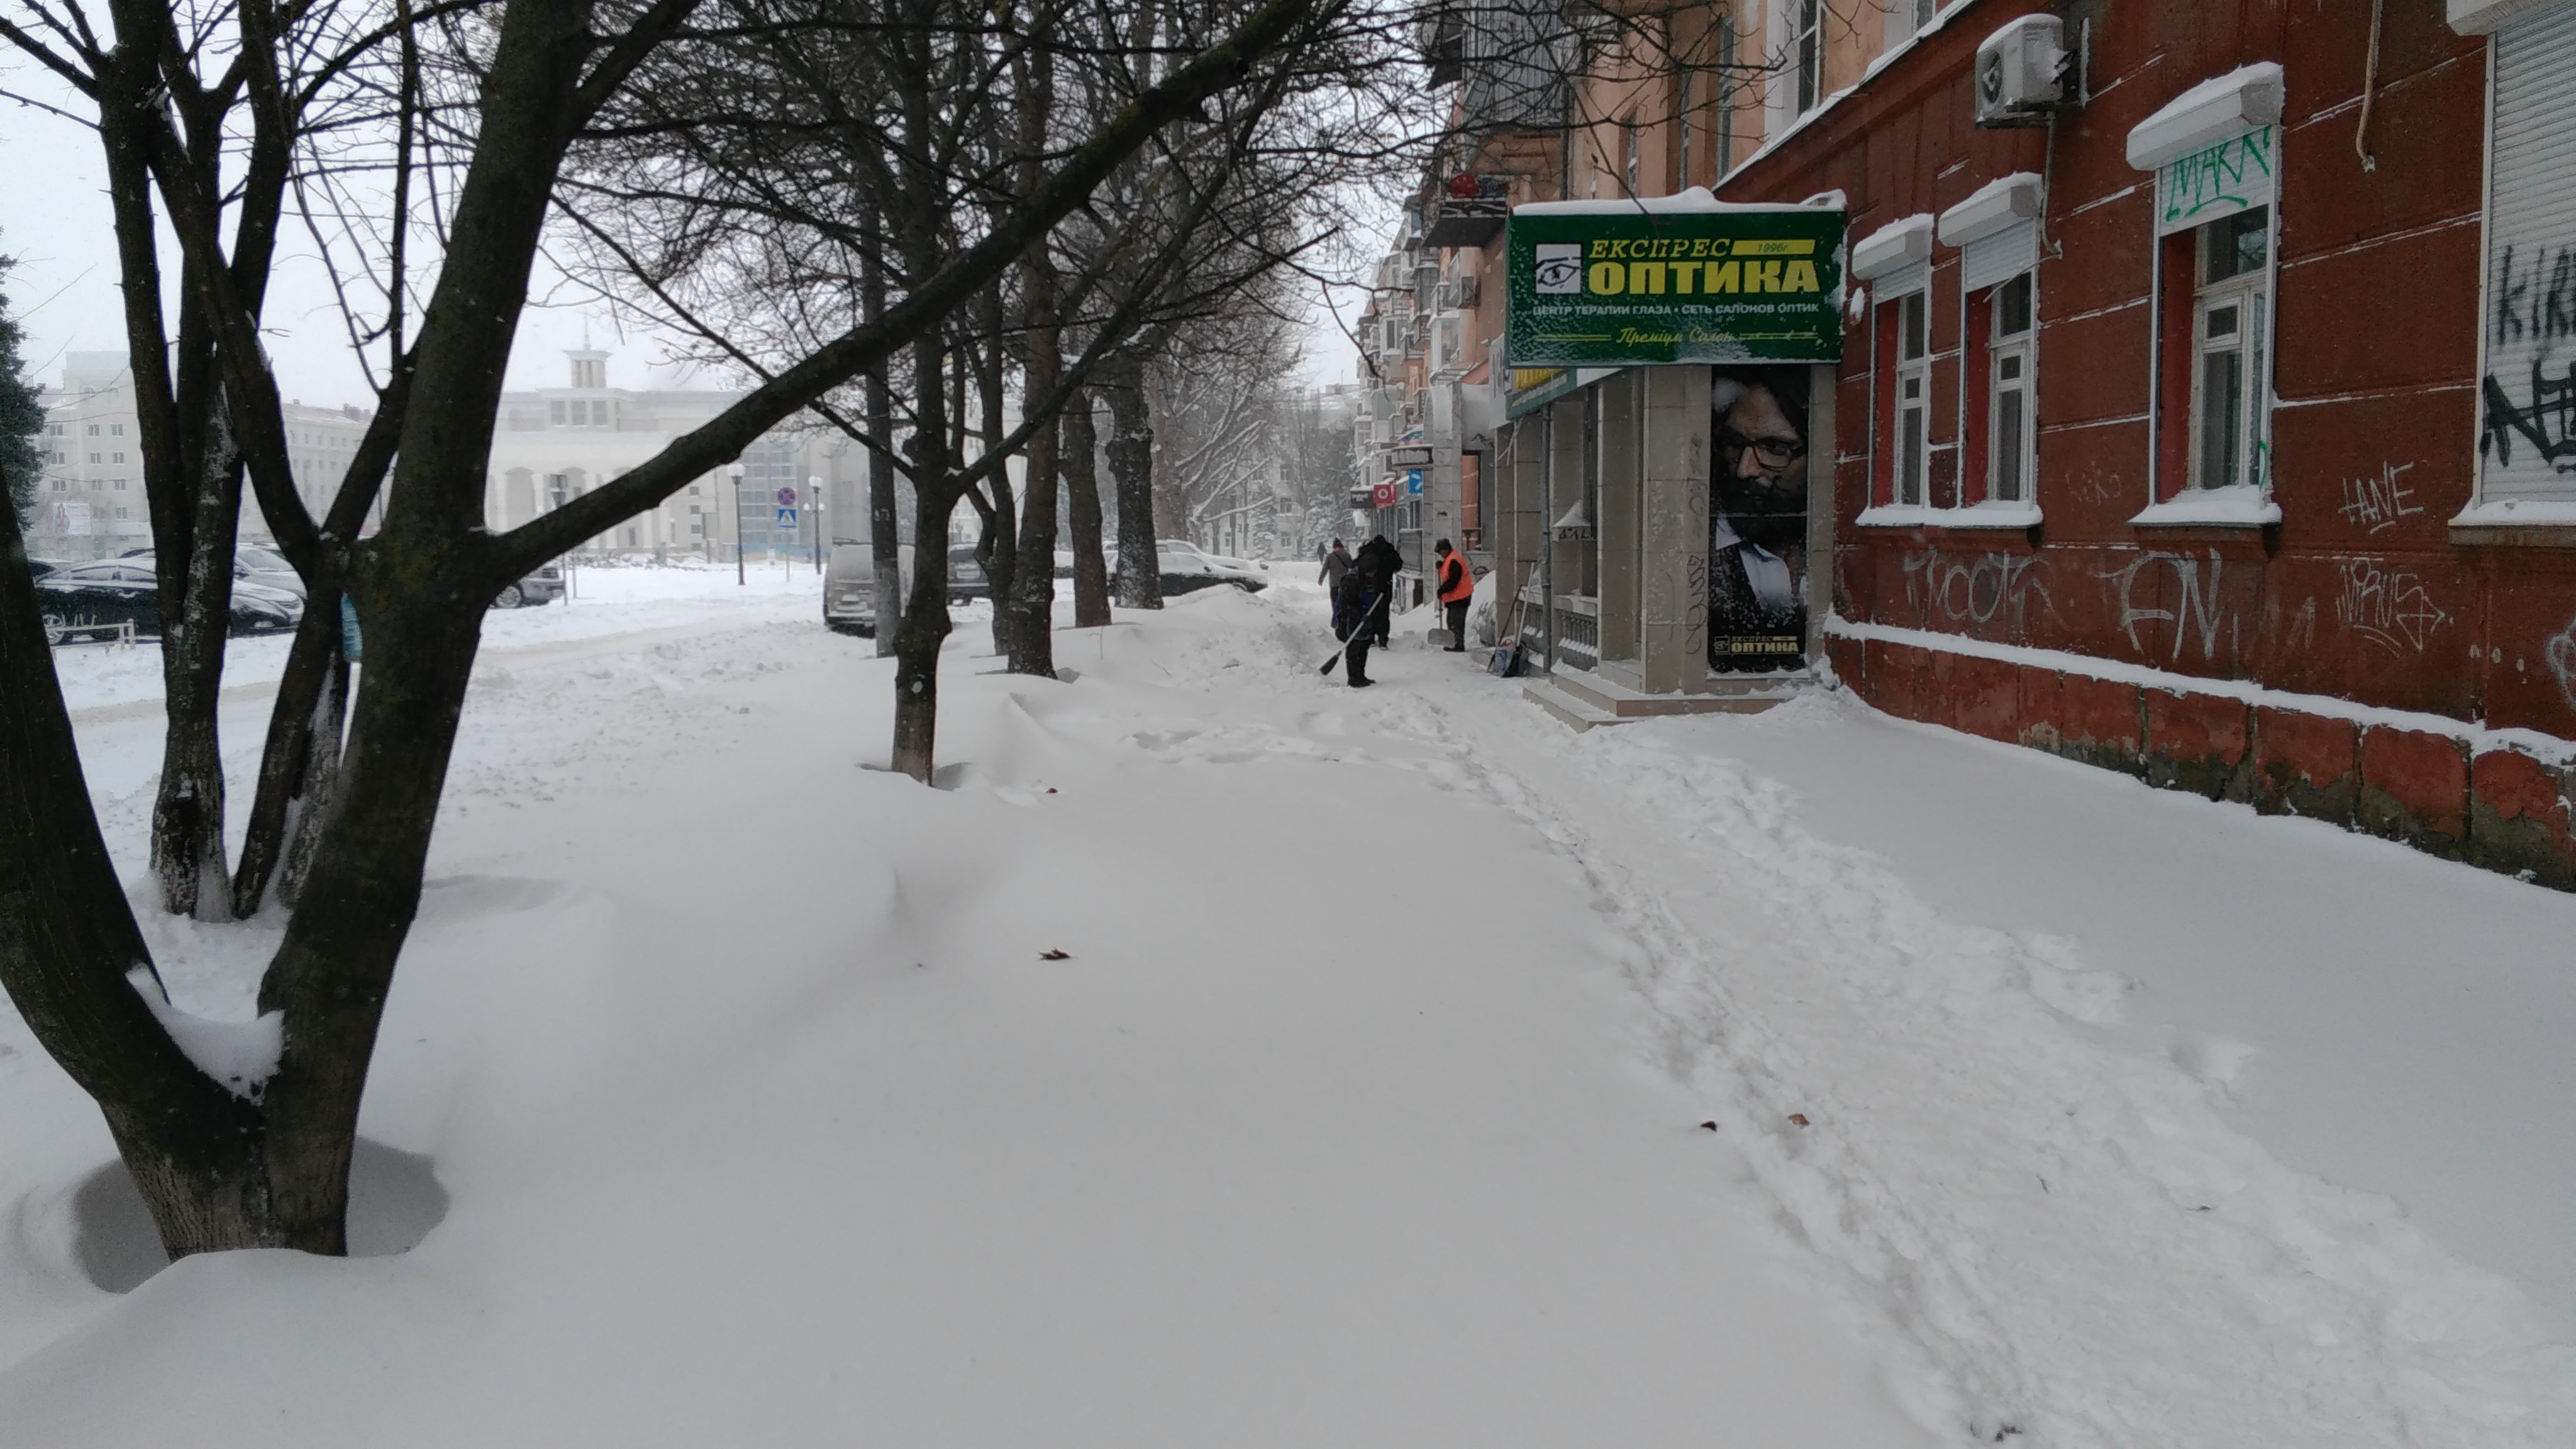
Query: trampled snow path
x,y
1320,1136
765,1123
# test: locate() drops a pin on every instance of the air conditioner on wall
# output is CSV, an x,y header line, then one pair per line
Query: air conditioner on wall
x,y
2021,72
1449,359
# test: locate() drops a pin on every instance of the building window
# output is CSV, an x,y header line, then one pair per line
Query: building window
x,y
1807,33
2008,406
2527,383
56,430
1913,398
2229,379
62,485
119,458
120,510
93,430
116,429
555,411
94,457
117,484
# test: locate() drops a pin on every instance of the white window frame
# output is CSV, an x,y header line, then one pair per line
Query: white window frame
x,y
2248,295
1913,325
1806,54
2017,352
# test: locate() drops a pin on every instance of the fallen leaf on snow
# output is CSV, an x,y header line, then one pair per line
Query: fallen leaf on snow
x,y
1798,1117
1055,955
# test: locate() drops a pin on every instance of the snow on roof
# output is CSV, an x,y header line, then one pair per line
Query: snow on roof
x,y
1693,202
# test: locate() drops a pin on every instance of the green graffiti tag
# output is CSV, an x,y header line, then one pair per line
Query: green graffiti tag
x,y
2218,180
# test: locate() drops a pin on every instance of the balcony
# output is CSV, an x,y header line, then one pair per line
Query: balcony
x,y
1470,212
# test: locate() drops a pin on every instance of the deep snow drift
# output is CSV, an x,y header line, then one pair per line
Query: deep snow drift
x,y
1364,1106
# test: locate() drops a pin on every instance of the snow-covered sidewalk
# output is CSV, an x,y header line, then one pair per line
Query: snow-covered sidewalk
x,y
1365,1106
764,1121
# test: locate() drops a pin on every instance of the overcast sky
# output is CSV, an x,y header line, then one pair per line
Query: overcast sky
x,y
54,220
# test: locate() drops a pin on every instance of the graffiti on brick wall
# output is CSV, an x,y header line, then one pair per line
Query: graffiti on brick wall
x,y
2529,391
2388,606
2199,613
2380,503
2561,654
1973,590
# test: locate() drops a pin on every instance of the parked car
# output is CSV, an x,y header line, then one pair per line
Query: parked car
x,y
252,564
966,581
541,587
850,587
126,591
1183,545
1188,571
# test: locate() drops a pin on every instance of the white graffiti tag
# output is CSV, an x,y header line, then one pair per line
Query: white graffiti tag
x,y
2198,611
1974,590
2560,651
2380,503
2387,606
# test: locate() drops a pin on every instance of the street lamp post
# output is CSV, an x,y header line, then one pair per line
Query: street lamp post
x,y
814,491
735,472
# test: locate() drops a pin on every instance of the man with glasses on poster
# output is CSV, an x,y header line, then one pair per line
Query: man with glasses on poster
x,y
1757,605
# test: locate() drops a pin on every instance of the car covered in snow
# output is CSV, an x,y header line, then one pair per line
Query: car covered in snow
x,y
544,586
850,587
1187,570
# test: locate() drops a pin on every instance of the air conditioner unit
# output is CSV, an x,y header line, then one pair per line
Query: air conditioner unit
x,y
2021,72
1449,360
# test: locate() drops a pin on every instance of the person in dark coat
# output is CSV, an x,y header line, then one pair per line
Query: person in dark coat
x,y
1388,564
1357,601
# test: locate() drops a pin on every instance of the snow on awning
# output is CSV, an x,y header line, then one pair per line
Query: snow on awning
x,y
1695,201
2483,17
1904,242
2002,202
2217,108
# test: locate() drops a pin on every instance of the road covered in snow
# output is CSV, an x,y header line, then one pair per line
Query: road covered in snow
x,y
1413,1072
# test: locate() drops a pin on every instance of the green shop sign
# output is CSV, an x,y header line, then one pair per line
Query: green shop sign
x,y
1624,284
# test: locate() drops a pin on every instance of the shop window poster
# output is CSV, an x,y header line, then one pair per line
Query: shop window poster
x,y
1757,578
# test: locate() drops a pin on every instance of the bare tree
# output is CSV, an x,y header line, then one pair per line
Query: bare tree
x,y
538,88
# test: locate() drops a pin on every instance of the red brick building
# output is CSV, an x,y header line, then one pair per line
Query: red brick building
x,y
2220,426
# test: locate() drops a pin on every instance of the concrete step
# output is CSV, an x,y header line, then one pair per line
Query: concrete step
x,y
1616,699
1577,713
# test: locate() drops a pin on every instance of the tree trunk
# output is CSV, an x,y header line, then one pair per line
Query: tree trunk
x,y
1032,600
925,615
76,968
357,903
286,762
188,809
1080,462
320,785
917,644
997,548
885,539
1131,468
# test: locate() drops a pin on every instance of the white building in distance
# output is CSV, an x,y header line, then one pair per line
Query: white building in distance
x,y
552,445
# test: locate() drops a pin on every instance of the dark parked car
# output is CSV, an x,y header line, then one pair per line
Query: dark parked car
x,y
251,565
124,591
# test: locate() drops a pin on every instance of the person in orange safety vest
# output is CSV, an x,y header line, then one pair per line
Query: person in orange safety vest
x,y
1457,585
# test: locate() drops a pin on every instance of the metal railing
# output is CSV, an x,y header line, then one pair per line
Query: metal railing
x,y
1578,631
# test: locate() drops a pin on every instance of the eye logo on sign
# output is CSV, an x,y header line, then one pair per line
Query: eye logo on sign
x,y
1559,269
